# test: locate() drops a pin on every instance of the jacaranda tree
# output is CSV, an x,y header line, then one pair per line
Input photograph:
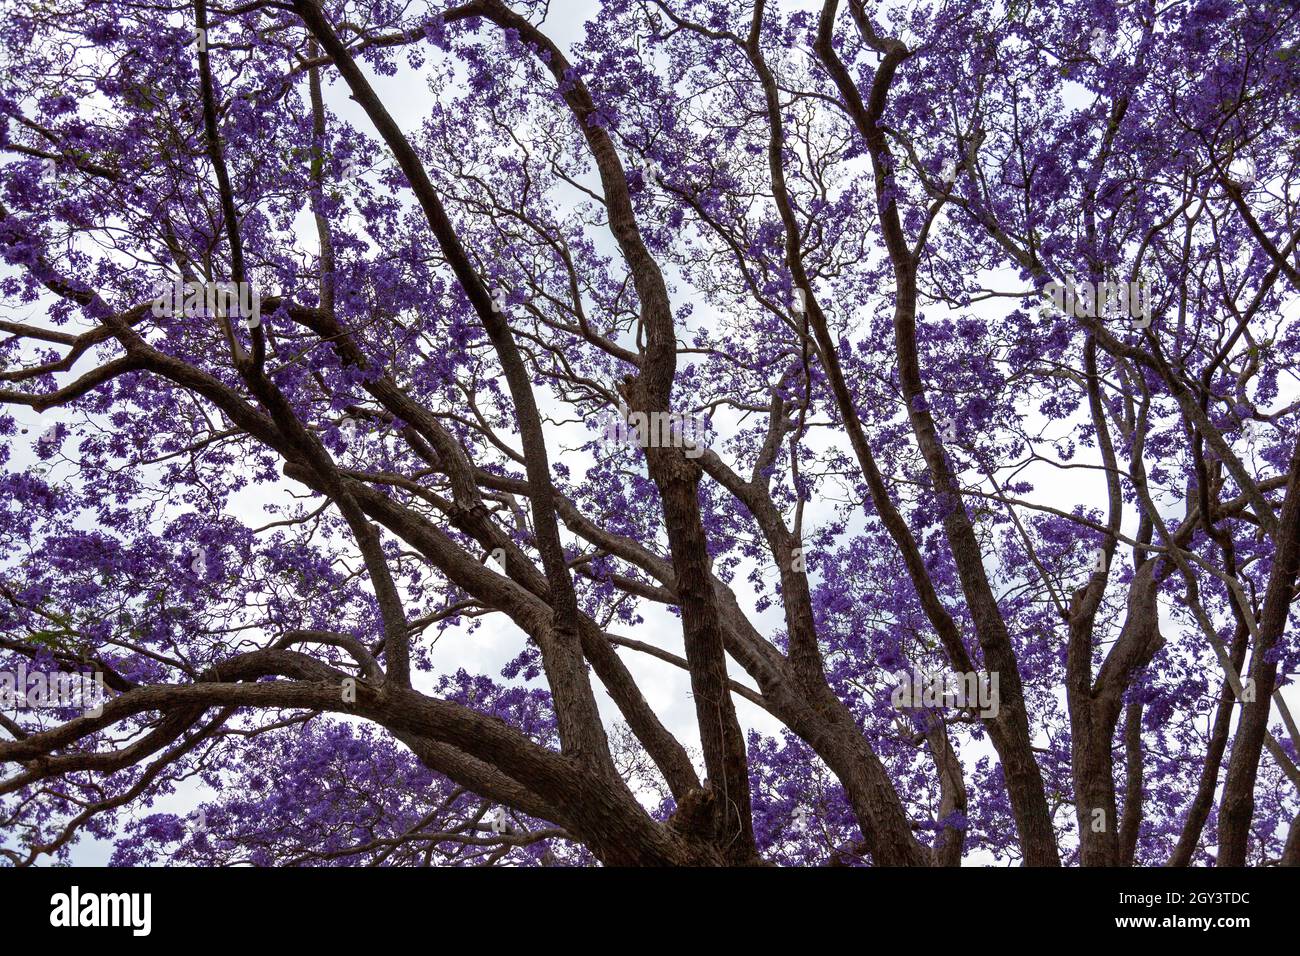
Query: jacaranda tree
x,y
828,353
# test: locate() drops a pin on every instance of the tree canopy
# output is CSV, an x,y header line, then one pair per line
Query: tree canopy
x,y
731,362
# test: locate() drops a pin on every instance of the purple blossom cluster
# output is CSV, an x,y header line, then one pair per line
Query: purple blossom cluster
x,y
365,586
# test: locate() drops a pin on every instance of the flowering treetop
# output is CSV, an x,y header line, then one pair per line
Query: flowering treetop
x,y
319,317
